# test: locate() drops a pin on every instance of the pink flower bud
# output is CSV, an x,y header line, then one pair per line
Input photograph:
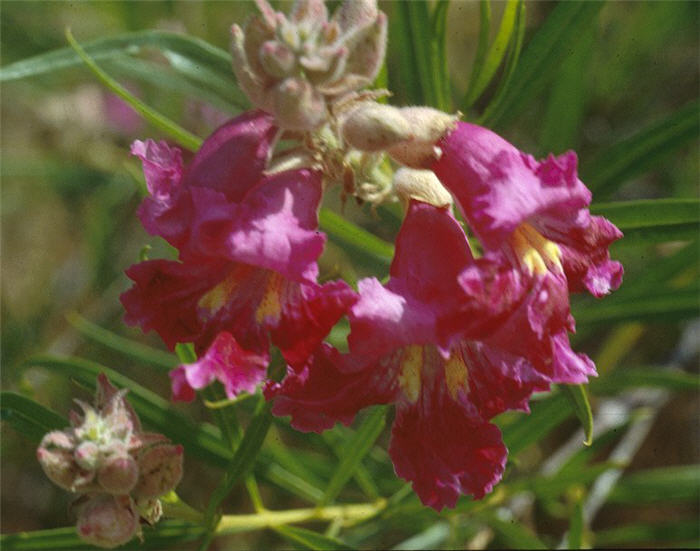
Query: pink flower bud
x,y
107,521
149,509
55,454
422,185
429,127
87,455
160,470
118,475
356,14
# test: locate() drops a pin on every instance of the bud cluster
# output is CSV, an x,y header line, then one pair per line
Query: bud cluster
x,y
119,470
292,67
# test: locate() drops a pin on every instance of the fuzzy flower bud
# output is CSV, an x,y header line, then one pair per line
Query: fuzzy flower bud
x,y
118,475
108,521
422,185
429,127
160,468
375,127
57,459
292,67
87,455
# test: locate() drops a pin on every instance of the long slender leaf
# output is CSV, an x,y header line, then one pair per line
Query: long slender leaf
x,y
309,539
495,55
544,52
134,349
354,451
512,58
650,213
682,533
356,237
29,417
194,49
576,394
182,136
615,165
481,48
162,536
201,441
245,455
665,306
514,534
441,77
417,19
658,486
546,415
639,377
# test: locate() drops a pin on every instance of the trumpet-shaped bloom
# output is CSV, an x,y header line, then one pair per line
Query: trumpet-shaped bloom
x,y
248,244
431,342
535,211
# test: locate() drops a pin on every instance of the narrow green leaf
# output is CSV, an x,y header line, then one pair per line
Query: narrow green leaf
x,y
194,49
653,377
512,58
663,307
354,451
658,486
128,347
310,540
650,213
185,352
405,80
29,417
495,55
615,165
417,17
346,232
165,535
441,76
513,533
430,538
245,455
481,49
578,399
201,441
543,55
289,481
685,531
562,120
164,78
576,519
528,429
179,134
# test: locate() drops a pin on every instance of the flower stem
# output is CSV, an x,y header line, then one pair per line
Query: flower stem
x,y
268,519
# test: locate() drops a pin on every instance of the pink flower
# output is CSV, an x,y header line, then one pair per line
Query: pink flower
x,y
433,341
534,211
248,244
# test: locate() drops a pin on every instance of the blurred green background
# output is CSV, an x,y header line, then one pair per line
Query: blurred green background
x,y
70,191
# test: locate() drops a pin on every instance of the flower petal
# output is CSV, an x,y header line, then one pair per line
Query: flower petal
x,y
237,369
322,392
443,450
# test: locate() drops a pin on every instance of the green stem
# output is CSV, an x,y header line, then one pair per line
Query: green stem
x,y
269,519
174,507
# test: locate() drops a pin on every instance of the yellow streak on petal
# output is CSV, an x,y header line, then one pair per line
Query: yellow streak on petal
x,y
535,252
270,305
218,296
456,375
409,378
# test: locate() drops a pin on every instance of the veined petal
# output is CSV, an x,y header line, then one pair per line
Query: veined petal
x,y
237,369
443,450
321,393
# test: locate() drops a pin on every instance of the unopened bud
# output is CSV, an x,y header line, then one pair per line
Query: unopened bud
x,y
422,185
312,11
356,14
56,456
375,127
277,59
149,509
108,521
118,475
160,469
298,106
87,455
429,127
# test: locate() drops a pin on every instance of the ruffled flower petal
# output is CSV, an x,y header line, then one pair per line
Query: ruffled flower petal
x,y
443,450
321,393
237,369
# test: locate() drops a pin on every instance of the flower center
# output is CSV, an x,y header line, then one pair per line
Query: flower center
x,y
409,377
456,375
533,251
